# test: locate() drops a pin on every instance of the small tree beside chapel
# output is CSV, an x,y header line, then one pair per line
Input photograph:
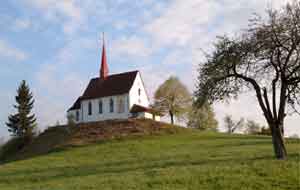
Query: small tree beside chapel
x,y
172,97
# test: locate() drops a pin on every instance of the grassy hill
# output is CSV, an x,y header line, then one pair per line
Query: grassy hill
x,y
82,134
145,156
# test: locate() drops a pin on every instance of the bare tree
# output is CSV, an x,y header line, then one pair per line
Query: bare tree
x,y
231,125
264,58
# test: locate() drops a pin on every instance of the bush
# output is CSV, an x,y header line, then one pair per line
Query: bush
x,y
11,147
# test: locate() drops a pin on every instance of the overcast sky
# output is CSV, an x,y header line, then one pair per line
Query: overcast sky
x,y
55,46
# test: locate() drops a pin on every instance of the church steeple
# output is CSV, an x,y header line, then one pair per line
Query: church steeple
x,y
104,67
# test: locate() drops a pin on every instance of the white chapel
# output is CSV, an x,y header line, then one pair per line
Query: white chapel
x,y
115,96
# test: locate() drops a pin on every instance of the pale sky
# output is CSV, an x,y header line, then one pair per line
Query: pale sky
x,y
55,46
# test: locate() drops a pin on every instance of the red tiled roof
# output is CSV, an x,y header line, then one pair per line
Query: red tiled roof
x,y
112,85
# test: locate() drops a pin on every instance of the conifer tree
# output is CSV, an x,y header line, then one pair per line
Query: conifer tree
x,y
21,124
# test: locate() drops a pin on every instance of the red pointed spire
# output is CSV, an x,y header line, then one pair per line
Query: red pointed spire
x,y
104,67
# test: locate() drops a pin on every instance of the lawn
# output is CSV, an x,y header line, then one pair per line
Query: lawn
x,y
187,160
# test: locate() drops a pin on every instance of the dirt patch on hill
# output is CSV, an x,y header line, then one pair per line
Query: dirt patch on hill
x,y
115,129
61,136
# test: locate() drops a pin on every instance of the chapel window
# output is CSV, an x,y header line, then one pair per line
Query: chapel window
x,y
111,105
90,108
77,115
100,107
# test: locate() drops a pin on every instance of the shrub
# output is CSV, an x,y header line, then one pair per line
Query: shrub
x,y
11,147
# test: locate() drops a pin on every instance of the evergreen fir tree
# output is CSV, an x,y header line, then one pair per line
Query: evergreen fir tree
x,y
22,123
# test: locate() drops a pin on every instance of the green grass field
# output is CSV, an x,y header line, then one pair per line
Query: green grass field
x,y
187,160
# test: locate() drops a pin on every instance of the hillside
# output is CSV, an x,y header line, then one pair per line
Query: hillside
x,y
164,158
82,134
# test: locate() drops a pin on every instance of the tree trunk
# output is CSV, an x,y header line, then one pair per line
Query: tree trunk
x,y
278,142
172,117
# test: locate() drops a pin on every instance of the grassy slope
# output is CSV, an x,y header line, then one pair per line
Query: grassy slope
x,y
61,136
189,160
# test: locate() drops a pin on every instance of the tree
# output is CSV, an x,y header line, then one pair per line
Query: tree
x,y
252,127
21,124
231,125
172,97
70,120
202,118
264,58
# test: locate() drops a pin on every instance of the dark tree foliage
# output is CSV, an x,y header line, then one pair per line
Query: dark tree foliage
x,y
21,124
264,58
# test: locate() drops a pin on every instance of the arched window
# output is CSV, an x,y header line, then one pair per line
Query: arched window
x,y
121,106
90,108
139,92
100,107
111,105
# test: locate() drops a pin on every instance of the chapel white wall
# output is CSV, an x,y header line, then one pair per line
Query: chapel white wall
x,y
106,114
134,97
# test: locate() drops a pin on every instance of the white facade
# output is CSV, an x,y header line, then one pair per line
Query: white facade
x,y
118,109
113,107
137,93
